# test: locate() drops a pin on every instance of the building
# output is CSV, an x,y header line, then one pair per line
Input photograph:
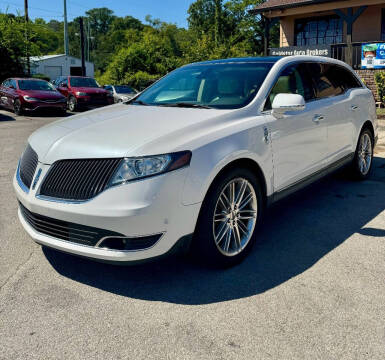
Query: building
x,y
349,30
59,65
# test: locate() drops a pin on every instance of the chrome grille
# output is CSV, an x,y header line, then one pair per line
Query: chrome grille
x,y
78,179
80,234
28,164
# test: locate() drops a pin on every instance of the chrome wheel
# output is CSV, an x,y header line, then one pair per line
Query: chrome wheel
x,y
17,107
235,216
72,104
365,153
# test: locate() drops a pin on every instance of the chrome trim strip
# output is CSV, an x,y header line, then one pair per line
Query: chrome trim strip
x,y
19,181
129,237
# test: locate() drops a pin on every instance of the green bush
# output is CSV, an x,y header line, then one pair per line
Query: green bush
x,y
379,78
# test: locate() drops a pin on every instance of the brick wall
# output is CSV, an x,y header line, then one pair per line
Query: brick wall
x,y
368,77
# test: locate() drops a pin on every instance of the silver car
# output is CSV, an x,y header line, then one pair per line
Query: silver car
x,y
121,93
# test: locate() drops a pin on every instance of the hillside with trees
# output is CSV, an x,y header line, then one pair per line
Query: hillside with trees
x,y
127,51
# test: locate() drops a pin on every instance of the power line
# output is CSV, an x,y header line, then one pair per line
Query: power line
x,y
34,8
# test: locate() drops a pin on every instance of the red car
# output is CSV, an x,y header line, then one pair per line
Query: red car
x,y
82,92
22,95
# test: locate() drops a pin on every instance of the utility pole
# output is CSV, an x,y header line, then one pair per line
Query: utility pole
x,y
27,37
66,46
82,45
88,39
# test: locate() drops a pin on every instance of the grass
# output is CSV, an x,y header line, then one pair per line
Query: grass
x,y
381,112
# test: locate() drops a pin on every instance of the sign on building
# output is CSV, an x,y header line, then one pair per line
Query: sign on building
x,y
314,50
373,56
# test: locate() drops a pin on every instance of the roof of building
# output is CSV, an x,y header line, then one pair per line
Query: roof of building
x,y
45,57
284,4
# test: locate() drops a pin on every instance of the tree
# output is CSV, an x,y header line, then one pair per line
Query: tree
x,y
100,20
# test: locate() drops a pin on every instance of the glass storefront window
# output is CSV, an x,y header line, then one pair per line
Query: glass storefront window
x,y
316,31
383,25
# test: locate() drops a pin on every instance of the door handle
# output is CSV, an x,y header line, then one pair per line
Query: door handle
x,y
354,107
317,118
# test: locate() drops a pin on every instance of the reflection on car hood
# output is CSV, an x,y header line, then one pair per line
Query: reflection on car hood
x,y
121,130
42,94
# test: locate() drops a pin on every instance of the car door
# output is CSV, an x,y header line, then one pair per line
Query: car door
x,y
335,99
9,93
63,86
12,94
298,139
4,94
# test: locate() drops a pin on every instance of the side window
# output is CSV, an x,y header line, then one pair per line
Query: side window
x,y
13,83
292,80
345,77
325,83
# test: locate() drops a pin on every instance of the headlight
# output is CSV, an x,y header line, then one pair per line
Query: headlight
x,y
141,167
79,93
28,98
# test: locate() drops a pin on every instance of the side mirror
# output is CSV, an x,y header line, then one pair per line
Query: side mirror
x,y
11,87
284,103
63,85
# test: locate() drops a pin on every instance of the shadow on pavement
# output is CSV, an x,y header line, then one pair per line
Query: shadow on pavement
x,y
4,117
297,233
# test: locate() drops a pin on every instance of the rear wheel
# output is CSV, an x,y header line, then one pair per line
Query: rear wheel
x,y
72,104
17,107
363,159
229,217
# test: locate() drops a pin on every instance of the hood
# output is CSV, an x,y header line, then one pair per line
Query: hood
x,y
119,131
41,94
89,90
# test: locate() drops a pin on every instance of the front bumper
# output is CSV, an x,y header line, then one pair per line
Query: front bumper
x,y
138,209
36,106
90,102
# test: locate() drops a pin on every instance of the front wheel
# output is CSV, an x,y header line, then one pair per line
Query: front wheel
x,y
229,217
363,159
72,105
17,108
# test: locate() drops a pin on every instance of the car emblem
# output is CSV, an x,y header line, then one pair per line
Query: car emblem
x,y
37,177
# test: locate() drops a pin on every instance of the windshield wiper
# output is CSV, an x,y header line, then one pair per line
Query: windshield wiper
x,y
187,105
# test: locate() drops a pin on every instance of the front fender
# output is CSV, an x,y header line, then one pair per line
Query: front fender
x,y
208,160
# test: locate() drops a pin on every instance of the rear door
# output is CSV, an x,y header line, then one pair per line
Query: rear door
x,y
335,99
299,139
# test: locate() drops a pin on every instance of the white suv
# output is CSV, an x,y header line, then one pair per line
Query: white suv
x,y
193,160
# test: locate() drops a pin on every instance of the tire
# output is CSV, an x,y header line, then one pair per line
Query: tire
x,y
17,107
222,237
72,104
363,158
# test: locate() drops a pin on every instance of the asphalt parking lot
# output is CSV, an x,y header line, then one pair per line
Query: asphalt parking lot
x,y
313,288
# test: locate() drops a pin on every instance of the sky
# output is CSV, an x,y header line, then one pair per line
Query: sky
x,y
173,11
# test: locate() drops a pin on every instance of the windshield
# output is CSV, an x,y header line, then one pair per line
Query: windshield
x,y
35,85
83,82
220,86
124,89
